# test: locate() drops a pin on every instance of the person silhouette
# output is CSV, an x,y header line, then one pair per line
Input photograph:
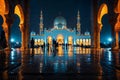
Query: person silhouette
x,y
32,46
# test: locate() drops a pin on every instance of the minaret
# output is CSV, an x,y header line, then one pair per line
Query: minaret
x,y
78,23
41,22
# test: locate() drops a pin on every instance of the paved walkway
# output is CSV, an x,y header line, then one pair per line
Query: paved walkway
x,y
61,64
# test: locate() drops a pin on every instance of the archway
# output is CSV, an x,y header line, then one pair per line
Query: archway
x,y
4,10
15,36
60,39
102,11
105,33
70,40
19,11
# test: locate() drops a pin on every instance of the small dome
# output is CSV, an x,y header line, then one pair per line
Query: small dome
x,y
87,33
33,33
60,22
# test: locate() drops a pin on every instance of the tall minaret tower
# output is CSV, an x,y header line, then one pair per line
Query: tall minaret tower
x,y
41,22
78,23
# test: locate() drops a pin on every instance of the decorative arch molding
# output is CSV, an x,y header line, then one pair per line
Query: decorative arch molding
x,y
19,11
117,25
4,7
117,8
102,11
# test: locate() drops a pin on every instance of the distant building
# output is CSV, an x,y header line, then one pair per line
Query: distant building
x,y
61,33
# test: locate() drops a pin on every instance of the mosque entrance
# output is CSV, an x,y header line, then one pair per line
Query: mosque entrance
x,y
70,40
60,39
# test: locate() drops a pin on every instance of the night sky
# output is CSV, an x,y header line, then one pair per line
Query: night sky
x,y
66,8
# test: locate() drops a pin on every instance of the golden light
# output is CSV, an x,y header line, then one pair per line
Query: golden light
x,y
70,51
77,41
60,50
81,42
4,7
18,11
117,25
36,41
84,42
117,8
70,40
102,11
60,39
87,42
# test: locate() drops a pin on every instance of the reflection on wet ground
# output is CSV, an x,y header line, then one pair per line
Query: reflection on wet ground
x,y
62,63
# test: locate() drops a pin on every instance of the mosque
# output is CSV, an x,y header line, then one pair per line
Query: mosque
x,y
61,34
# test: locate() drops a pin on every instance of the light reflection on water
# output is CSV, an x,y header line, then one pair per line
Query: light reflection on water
x,y
66,60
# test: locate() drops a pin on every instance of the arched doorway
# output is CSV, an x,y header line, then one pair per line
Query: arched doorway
x,y
49,40
70,40
105,34
102,11
15,36
19,12
60,39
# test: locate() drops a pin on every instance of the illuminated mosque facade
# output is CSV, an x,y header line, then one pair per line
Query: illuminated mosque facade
x,y
61,34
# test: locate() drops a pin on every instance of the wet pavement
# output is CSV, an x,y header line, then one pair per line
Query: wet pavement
x,y
63,63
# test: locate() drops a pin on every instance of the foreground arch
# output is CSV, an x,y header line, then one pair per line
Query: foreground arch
x,y
102,11
4,10
116,26
19,11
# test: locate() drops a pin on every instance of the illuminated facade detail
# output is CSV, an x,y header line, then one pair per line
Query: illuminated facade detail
x,y
61,34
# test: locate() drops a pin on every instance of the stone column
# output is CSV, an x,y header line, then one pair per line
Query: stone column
x,y
94,22
98,35
23,36
7,35
116,44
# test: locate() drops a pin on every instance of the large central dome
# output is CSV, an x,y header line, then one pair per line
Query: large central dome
x,y
60,22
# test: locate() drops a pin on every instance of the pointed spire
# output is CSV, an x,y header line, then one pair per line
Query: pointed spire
x,y
78,22
78,15
41,22
41,15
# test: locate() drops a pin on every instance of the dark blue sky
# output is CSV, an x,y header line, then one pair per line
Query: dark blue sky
x,y
66,8
54,8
